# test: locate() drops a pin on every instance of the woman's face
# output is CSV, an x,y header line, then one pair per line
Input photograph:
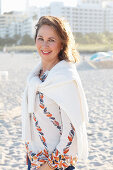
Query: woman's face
x,y
48,43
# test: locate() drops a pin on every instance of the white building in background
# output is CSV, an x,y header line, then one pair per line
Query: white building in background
x,y
16,23
55,9
109,16
85,17
91,1
0,7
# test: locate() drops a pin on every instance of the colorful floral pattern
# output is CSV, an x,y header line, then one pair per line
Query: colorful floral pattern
x,y
37,160
56,159
48,114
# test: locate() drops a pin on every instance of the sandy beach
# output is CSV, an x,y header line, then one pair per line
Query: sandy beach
x,y
98,86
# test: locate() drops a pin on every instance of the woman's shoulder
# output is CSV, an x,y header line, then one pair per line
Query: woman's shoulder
x,y
63,67
63,71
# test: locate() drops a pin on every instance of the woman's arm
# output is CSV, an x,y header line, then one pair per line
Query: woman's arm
x,y
61,157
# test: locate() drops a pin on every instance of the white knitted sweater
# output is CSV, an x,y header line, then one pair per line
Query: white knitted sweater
x,y
63,86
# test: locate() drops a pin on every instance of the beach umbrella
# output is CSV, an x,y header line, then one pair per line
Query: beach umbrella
x,y
100,56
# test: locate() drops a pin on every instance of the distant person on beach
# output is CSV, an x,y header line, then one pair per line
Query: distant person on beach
x,y
4,49
54,107
83,58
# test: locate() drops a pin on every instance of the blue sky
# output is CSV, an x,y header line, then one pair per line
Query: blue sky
x,y
18,5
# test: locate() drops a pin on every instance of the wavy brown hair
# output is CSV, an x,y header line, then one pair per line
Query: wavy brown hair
x,y
63,30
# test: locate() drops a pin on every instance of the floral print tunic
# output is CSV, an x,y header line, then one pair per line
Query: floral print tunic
x,y
55,134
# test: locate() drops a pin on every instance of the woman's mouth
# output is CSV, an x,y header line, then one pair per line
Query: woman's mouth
x,y
45,52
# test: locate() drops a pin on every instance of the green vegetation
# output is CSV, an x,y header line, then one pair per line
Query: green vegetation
x,y
17,40
93,48
90,42
27,40
94,38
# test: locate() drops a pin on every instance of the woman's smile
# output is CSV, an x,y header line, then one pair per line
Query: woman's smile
x,y
45,52
48,44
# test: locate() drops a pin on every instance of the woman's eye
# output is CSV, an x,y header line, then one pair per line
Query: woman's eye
x,y
41,39
51,40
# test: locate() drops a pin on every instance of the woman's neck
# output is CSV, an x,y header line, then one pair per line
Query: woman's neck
x,y
48,65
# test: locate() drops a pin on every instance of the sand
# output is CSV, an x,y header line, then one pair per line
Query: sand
x,y
98,86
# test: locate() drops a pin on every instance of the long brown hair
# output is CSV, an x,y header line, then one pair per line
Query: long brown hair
x,y
63,30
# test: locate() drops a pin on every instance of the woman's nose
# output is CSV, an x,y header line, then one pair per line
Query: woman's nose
x,y
45,44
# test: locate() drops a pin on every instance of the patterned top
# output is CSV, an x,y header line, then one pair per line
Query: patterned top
x,y
60,156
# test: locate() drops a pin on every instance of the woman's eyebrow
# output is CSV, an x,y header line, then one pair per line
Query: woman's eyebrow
x,y
52,38
39,35
48,37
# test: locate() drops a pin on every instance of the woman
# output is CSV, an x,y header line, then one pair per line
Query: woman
x,y
54,107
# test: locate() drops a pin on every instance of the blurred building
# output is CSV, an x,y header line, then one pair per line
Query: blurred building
x,y
0,7
91,1
16,23
85,16
109,16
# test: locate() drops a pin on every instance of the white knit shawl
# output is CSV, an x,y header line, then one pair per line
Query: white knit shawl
x,y
59,86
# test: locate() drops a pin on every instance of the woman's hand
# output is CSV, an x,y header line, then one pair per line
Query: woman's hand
x,y
45,167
